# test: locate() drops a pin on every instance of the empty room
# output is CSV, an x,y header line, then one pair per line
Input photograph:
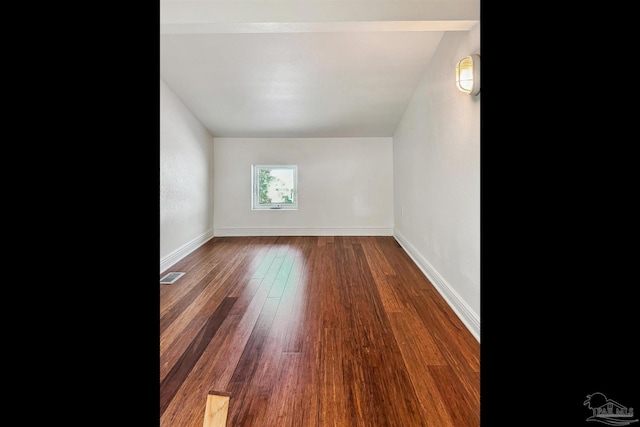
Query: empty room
x,y
319,213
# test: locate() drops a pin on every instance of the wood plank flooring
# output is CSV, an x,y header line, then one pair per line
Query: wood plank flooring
x,y
313,331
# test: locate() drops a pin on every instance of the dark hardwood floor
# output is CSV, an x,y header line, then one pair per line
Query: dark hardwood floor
x,y
313,331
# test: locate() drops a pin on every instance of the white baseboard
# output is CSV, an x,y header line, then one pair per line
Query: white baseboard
x,y
184,250
314,231
470,319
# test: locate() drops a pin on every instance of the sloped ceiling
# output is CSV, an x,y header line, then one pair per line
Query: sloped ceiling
x,y
302,68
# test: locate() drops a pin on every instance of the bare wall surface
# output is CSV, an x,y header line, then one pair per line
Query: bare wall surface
x,y
436,151
344,186
186,199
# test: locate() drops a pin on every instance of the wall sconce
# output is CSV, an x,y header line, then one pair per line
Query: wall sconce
x,y
468,74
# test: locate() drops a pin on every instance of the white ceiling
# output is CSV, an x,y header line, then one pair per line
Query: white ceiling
x,y
302,68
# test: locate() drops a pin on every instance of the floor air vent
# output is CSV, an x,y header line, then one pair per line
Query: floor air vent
x,y
171,278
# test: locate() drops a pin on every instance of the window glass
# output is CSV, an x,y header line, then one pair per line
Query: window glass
x,y
274,187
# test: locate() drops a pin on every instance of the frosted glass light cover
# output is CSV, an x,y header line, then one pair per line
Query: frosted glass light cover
x,y
468,74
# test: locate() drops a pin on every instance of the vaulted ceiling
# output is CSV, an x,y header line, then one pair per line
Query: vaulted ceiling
x,y
302,68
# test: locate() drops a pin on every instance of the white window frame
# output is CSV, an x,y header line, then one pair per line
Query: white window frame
x,y
255,188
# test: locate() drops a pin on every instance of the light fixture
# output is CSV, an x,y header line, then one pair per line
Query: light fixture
x,y
468,74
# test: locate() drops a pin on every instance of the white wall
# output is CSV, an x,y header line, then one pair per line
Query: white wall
x,y
344,186
436,164
186,196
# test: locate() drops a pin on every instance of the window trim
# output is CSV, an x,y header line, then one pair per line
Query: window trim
x,y
255,191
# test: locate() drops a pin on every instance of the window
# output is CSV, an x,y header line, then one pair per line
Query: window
x,y
274,187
